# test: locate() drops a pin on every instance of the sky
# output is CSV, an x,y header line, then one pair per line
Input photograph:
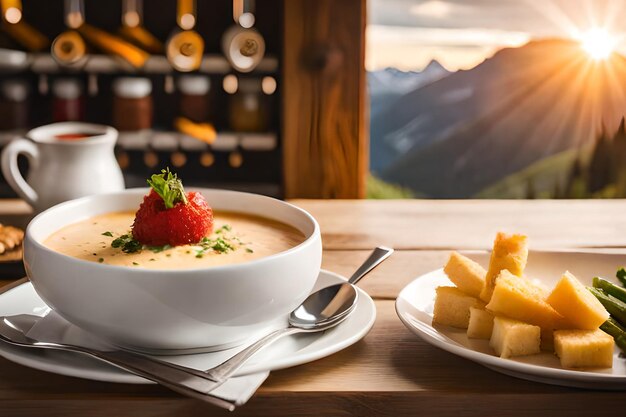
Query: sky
x,y
460,34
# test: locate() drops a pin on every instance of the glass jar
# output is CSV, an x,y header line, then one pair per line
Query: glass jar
x,y
132,104
68,104
194,97
248,110
14,105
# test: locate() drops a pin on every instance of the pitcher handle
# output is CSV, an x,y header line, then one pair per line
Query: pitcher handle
x,y
11,171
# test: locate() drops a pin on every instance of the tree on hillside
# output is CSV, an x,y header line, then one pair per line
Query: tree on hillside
x,y
576,180
605,174
618,173
600,170
531,194
556,193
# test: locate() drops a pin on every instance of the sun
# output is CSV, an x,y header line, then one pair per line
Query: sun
x,y
598,43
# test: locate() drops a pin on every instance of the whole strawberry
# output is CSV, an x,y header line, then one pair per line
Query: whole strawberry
x,y
169,216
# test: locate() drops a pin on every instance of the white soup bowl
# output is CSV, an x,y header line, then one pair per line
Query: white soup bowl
x,y
205,308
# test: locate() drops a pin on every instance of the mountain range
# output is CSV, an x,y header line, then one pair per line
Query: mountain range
x,y
457,135
385,88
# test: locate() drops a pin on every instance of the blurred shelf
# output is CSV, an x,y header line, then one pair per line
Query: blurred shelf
x,y
165,141
265,188
44,63
12,60
173,141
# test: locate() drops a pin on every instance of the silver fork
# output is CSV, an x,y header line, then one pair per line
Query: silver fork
x,y
186,381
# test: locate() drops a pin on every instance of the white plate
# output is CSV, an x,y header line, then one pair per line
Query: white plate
x,y
415,304
289,351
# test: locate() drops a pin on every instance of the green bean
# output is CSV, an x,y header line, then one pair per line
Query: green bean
x,y
614,306
621,275
618,332
610,288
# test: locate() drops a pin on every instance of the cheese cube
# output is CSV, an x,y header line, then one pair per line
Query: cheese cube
x,y
514,338
579,308
520,299
584,348
452,307
466,274
480,323
510,252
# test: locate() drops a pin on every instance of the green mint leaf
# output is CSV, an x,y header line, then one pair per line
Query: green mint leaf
x,y
100,260
222,246
225,228
109,234
127,243
249,250
168,187
132,246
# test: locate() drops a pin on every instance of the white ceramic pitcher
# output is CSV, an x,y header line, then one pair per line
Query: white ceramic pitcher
x,y
63,169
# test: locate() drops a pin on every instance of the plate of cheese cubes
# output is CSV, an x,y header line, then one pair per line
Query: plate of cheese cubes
x,y
528,314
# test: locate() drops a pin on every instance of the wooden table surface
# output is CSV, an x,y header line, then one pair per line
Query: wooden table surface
x,y
390,372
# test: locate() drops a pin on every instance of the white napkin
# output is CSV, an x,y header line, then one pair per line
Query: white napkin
x,y
54,328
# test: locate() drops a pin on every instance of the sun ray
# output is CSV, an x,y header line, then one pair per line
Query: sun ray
x,y
591,13
612,80
614,9
556,15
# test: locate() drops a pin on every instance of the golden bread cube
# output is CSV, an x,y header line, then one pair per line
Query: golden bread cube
x,y
522,300
510,252
584,348
452,307
480,323
579,308
514,338
466,274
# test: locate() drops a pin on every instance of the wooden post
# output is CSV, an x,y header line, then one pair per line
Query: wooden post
x,y
325,143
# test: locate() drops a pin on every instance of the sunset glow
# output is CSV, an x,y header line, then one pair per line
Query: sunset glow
x,y
598,43
461,34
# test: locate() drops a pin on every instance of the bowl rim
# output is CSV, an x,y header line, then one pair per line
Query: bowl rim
x,y
29,239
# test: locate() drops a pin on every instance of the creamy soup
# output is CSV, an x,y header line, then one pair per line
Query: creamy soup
x,y
236,238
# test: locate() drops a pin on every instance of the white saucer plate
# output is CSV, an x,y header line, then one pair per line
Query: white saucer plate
x,y
290,351
415,302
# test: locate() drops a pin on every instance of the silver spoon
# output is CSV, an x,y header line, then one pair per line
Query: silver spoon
x,y
320,311
376,257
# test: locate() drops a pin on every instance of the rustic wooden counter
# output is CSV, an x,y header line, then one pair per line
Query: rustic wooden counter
x,y
390,372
